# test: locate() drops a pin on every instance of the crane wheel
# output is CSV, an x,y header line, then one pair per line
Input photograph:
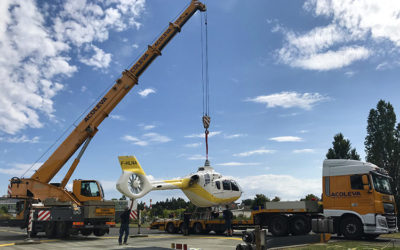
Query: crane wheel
x,y
99,232
86,231
49,229
62,229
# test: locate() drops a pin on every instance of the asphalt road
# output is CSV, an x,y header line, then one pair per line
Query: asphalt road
x,y
15,238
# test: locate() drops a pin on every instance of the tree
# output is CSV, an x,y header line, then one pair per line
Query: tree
x,y
310,197
260,200
247,202
276,199
342,149
382,143
380,140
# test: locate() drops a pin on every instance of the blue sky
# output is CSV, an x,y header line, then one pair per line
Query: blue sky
x,y
285,77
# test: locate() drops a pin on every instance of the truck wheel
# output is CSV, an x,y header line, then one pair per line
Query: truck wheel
x,y
198,229
99,232
278,226
299,225
351,228
86,231
49,230
170,228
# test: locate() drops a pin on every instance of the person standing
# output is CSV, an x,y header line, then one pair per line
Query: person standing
x,y
227,214
124,226
186,222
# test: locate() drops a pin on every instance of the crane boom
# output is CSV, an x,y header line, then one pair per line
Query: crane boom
x,y
88,127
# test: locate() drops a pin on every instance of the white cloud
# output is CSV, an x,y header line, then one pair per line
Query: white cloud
x,y
332,59
99,59
196,157
19,169
193,145
238,164
234,136
355,31
146,92
211,134
134,140
305,150
20,139
286,139
255,152
155,137
290,100
83,89
117,117
148,127
146,139
135,46
41,47
284,186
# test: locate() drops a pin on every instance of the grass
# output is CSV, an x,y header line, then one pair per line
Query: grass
x,y
392,236
350,245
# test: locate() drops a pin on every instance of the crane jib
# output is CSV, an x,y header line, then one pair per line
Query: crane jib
x,y
95,109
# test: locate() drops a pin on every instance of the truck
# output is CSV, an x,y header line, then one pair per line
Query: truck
x,y
42,206
356,202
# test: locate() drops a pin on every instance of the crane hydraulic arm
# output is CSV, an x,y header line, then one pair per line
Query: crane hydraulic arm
x,y
88,127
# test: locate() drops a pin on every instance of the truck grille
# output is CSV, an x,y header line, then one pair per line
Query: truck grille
x,y
391,220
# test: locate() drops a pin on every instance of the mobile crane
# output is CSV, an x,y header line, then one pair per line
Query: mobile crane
x,y
57,211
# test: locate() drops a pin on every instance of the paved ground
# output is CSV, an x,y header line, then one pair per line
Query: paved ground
x,y
14,238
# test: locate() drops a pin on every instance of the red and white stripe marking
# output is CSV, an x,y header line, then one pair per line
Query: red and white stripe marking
x,y
133,215
30,221
9,190
44,215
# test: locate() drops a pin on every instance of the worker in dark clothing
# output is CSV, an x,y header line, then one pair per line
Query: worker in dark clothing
x,y
124,226
227,214
186,222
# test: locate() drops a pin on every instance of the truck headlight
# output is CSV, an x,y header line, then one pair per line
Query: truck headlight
x,y
382,222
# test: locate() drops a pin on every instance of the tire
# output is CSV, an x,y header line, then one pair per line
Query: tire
x,y
371,236
198,229
62,229
300,225
49,230
99,232
278,226
170,228
86,231
351,228
181,228
219,231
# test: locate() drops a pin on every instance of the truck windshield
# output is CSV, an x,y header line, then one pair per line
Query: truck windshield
x,y
381,183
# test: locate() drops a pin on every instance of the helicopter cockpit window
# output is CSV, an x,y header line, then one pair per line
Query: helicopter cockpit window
x,y
218,184
226,185
235,187
206,179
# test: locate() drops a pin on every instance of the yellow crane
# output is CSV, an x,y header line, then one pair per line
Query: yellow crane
x,y
84,209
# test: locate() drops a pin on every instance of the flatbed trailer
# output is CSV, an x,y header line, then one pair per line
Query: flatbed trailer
x,y
281,218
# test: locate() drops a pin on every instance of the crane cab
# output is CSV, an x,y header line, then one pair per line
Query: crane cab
x,y
88,190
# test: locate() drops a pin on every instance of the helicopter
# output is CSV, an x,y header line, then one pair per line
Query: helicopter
x,y
205,188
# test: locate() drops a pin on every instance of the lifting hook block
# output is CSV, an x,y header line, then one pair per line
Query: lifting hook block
x,y
206,121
